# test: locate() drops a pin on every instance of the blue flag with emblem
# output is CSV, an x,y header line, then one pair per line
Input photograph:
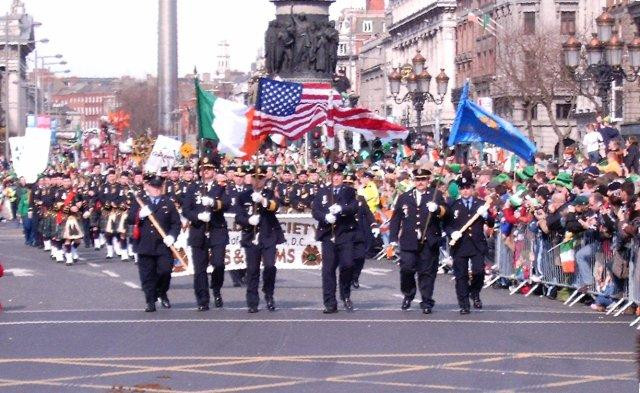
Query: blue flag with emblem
x,y
475,124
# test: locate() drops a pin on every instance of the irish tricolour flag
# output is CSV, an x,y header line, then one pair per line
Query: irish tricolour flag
x,y
568,256
227,122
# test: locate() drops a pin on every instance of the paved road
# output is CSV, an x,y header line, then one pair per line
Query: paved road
x,y
81,329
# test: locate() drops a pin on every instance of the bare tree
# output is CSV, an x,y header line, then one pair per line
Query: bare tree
x,y
530,68
140,100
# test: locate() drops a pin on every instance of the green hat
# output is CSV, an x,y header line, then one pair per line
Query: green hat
x,y
454,190
526,173
521,189
564,180
455,167
515,200
580,200
501,178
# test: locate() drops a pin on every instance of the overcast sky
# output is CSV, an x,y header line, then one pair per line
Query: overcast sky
x,y
119,37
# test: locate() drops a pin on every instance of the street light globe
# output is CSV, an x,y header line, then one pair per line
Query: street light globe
x,y
394,81
613,50
412,82
634,52
605,24
424,79
442,82
594,51
418,62
571,50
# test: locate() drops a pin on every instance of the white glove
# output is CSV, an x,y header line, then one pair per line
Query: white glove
x,y
432,206
144,212
375,232
254,220
168,240
204,216
256,197
206,201
86,214
482,210
265,202
330,218
335,209
183,220
456,235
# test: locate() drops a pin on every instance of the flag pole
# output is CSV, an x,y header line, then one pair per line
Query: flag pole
x,y
197,88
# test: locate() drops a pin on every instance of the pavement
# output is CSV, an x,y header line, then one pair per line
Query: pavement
x,y
82,329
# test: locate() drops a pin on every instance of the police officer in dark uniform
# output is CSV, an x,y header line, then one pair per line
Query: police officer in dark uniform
x,y
204,206
301,193
155,261
335,208
234,189
261,232
470,245
414,211
364,234
284,189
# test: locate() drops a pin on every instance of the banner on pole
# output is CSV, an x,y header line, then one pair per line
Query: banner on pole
x,y
165,152
30,153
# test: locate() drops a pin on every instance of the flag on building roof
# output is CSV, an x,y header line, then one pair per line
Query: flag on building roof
x,y
291,109
227,122
475,124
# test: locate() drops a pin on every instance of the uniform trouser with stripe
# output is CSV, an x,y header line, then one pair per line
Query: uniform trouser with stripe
x,y
256,254
423,264
336,256
155,275
464,289
202,257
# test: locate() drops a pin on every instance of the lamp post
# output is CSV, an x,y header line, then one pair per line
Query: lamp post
x,y
600,60
417,80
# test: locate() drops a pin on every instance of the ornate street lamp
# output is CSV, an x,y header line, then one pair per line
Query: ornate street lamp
x,y
417,80
601,60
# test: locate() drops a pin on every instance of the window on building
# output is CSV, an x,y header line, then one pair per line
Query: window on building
x,y
533,110
367,26
529,22
567,22
617,101
563,111
342,49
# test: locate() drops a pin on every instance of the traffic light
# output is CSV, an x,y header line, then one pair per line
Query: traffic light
x,y
315,143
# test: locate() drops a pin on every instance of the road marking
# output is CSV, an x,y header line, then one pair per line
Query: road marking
x,y
18,272
398,296
303,320
376,271
131,285
112,274
365,286
93,264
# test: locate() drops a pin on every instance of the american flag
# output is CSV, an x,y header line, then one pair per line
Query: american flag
x,y
290,108
293,109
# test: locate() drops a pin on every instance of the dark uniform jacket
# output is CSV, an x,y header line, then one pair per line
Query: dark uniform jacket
x,y
268,230
345,225
150,242
301,196
366,221
473,241
408,220
215,231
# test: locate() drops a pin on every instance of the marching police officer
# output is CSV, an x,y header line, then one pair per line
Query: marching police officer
x,y
416,225
204,206
155,261
470,244
335,208
301,193
261,232
364,233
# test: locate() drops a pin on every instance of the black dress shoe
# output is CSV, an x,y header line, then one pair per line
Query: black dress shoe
x,y
477,303
348,306
426,311
203,307
217,301
253,310
464,311
271,305
406,303
330,310
356,284
151,307
165,302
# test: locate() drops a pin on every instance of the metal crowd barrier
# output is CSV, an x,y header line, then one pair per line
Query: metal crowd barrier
x,y
525,257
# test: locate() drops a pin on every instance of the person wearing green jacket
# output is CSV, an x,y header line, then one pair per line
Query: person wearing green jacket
x,y
25,213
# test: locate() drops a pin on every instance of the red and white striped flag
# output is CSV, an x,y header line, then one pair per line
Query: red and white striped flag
x,y
290,108
366,123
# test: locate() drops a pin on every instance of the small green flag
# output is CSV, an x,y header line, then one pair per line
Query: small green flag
x,y
205,102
